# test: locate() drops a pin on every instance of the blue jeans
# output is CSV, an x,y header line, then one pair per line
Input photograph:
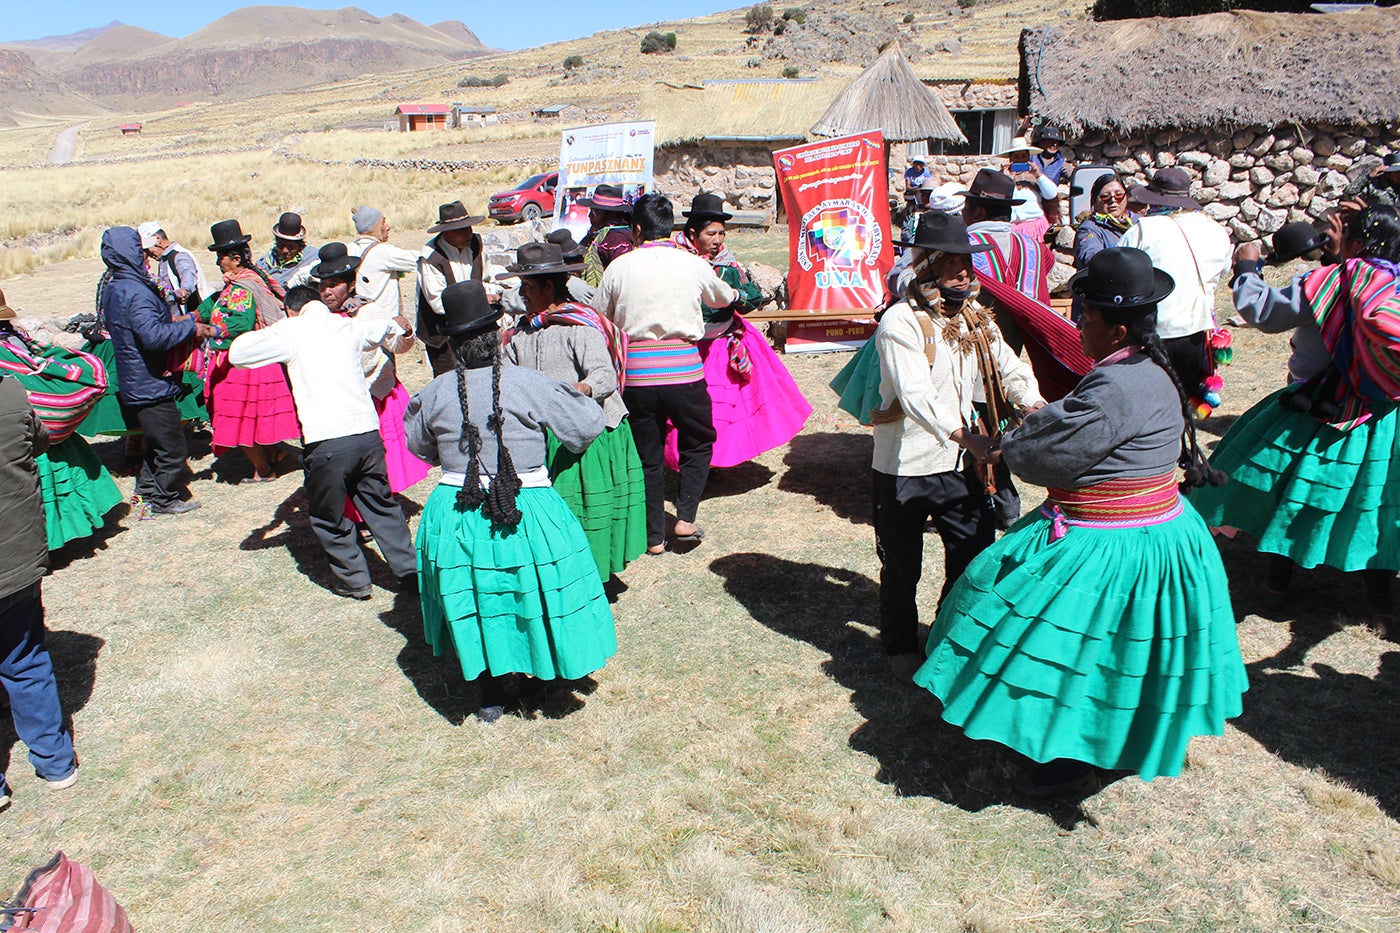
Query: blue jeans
x,y
26,672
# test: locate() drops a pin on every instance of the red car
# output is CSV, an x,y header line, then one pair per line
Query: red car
x,y
529,200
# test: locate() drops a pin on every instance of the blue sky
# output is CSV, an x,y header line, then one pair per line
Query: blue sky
x,y
505,26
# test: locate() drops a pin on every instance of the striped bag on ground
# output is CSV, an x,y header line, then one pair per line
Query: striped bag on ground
x,y
63,385
63,897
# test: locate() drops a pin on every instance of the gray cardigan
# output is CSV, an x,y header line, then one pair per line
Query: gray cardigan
x,y
530,402
571,353
1122,420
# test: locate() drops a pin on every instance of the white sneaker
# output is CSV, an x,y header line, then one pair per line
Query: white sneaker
x,y
64,783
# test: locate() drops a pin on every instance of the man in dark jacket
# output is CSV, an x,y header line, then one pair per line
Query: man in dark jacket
x,y
26,672
143,334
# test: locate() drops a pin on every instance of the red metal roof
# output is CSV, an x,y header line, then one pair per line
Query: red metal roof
x,y
129,126
415,110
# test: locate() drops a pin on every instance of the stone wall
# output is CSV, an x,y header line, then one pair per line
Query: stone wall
x,y
1252,180
744,175
967,95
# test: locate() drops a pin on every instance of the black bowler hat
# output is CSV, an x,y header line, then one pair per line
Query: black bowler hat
x,y
1047,134
227,234
466,309
454,217
1392,162
564,239
1169,187
990,186
945,233
606,198
707,207
289,227
336,262
1121,279
539,259
1295,239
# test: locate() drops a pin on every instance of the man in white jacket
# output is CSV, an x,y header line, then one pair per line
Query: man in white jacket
x,y
381,265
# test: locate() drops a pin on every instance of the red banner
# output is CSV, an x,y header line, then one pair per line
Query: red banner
x,y
837,202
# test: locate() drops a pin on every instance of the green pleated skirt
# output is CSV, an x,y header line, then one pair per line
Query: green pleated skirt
x,y
603,487
525,600
1308,491
77,491
1112,646
109,417
858,383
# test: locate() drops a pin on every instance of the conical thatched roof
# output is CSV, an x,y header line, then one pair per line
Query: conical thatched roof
x,y
888,97
1224,69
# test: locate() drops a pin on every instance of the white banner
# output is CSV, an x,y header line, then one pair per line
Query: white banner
x,y
619,154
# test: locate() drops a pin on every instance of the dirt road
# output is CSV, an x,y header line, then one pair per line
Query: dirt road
x,y
63,146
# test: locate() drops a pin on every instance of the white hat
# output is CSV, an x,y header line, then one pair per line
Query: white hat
x,y
947,198
1019,144
147,232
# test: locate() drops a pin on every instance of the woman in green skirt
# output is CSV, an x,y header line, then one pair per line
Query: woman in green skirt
x,y
1315,467
1098,632
572,343
506,575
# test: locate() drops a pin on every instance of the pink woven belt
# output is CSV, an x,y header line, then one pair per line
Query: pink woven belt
x,y
1115,503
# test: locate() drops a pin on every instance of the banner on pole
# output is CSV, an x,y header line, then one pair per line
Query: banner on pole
x,y
619,154
837,204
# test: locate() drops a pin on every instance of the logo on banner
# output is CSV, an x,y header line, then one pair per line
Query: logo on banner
x,y
842,235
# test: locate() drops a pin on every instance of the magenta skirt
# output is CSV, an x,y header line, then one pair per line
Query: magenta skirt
x,y
404,469
249,407
753,415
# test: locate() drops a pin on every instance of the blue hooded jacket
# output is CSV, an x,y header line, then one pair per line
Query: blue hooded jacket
x,y
139,323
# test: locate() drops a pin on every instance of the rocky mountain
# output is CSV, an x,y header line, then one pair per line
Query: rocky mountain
x,y
26,88
68,42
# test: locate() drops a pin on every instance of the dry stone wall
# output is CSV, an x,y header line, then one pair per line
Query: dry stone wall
x,y
744,175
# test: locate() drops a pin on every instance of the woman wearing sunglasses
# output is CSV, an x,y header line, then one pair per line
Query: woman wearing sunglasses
x,y
1101,227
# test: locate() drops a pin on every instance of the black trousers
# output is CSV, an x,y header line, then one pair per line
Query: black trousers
x,y
354,466
688,408
1188,358
962,514
163,469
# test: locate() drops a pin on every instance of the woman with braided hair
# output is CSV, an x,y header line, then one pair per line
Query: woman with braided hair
x,y
250,408
1315,467
507,576
1098,632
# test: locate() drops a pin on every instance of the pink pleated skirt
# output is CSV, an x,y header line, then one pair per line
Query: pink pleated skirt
x,y
752,415
250,407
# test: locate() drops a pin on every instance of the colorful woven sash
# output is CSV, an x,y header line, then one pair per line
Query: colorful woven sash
x,y
572,313
1115,503
663,363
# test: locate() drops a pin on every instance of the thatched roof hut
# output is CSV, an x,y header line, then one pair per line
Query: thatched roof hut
x,y
778,109
889,97
1220,70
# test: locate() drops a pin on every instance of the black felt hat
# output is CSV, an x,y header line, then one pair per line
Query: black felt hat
x,y
1047,134
945,233
466,309
990,186
1121,279
707,207
1392,162
606,198
1169,187
227,234
336,262
539,259
290,227
1295,239
564,239
454,216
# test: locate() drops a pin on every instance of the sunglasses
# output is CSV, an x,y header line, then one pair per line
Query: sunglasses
x,y
1113,197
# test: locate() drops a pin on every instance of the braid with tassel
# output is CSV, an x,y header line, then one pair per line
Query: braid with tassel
x,y
471,494
500,500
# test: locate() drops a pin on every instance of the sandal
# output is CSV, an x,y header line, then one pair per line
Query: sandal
x,y
255,478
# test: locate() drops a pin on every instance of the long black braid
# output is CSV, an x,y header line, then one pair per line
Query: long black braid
x,y
498,503
1143,331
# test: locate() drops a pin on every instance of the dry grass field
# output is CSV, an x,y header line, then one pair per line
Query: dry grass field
x,y
258,753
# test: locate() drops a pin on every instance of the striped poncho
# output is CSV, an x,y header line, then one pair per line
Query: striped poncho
x,y
1357,307
63,385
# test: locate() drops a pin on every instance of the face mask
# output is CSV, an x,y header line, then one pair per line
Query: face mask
x,y
956,295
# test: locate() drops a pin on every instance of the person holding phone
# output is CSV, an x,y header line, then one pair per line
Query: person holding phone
x,y
1033,187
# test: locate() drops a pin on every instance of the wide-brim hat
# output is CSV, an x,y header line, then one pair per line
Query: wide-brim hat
x,y
564,239
454,216
1294,240
6,312
1047,134
1019,144
945,233
539,259
227,234
466,309
1121,279
707,207
290,227
1392,162
606,198
990,186
1170,187
335,262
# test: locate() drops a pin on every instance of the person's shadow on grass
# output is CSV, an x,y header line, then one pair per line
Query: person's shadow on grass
x,y
919,754
834,469
83,548
74,656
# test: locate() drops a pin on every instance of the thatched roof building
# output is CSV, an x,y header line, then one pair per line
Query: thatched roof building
x,y
889,97
1220,70
759,109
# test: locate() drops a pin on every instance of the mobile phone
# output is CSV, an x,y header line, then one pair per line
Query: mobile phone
x,y
1020,166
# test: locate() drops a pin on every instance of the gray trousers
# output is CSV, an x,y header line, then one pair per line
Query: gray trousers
x,y
354,466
